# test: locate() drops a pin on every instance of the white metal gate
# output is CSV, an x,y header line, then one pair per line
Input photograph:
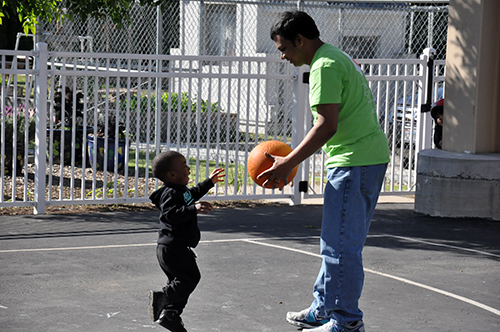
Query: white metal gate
x,y
212,109
400,89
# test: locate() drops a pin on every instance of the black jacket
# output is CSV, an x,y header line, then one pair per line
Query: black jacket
x,y
178,216
438,135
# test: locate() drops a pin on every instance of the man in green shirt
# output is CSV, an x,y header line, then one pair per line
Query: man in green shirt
x,y
346,127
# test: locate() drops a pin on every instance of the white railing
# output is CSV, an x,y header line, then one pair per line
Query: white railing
x,y
214,110
397,85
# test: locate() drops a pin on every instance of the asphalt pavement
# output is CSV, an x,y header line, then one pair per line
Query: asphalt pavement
x,y
92,272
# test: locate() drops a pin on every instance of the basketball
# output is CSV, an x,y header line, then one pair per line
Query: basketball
x,y
257,161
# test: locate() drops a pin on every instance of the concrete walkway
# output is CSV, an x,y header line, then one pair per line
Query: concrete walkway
x,y
92,272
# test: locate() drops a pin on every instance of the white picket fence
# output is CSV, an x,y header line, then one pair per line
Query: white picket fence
x,y
214,110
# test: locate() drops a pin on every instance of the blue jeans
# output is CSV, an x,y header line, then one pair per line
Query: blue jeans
x,y
350,198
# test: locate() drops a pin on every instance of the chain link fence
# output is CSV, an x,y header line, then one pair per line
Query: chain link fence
x,y
241,28
222,86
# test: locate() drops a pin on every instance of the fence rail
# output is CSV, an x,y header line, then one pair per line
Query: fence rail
x,y
218,90
212,109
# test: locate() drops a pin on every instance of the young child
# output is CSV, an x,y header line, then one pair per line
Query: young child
x,y
437,115
178,234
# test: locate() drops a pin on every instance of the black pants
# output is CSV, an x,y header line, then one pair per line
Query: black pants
x,y
179,264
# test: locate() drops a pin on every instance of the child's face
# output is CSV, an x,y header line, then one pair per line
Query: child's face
x,y
439,120
180,172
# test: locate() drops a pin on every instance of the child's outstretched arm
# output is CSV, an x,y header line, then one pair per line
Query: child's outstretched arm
x,y
216,175
203,187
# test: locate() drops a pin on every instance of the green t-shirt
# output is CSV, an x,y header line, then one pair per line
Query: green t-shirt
x,y
336,79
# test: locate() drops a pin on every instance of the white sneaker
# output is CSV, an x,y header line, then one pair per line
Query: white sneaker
x,y
304,318
358,326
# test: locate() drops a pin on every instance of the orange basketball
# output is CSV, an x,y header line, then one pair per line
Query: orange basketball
x,y
258,162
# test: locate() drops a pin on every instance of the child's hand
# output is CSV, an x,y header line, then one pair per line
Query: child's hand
x,y
203,207
216,175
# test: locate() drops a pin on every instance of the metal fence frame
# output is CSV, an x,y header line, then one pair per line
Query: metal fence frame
x,y
413,77
408,76
405,28
45,72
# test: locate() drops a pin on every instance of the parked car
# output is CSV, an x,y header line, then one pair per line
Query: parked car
x,y
405,132
410,113
411,108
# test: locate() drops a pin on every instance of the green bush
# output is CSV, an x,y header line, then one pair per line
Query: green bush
x,y
16,120
181,126
20,116
186,103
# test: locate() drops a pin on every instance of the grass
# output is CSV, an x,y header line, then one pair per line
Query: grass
x,y
231,172
139,161
21,84
387,185
21,79
396,187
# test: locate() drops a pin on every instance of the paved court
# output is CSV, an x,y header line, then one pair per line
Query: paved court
x,y
92,272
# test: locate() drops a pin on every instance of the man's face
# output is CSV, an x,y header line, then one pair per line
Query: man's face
x,y
439,120
289,51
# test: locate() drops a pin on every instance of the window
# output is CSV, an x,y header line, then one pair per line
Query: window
x,y
360,47
220,30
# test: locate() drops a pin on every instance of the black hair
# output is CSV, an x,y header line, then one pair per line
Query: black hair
x,y
293,23
163,163
436,111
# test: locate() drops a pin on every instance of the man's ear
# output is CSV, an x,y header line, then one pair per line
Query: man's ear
x,y
300,40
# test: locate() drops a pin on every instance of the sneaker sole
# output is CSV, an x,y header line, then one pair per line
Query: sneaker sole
x,y
150,306
171,326
301,324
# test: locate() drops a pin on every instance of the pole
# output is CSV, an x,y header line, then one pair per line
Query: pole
x,y
41,79
159,47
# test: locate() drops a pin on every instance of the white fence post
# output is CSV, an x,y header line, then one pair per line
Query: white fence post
x,y
41,127
424,141
310,176
299,130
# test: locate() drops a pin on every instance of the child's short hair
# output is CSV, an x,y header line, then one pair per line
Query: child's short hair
x,y
163,163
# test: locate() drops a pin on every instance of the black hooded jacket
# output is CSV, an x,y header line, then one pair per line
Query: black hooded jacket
x,y
178,216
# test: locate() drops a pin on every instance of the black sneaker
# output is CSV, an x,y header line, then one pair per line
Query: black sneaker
x,y
157,302
171,320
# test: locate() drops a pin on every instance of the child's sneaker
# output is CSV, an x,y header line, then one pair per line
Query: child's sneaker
x,y
357,326
157,302
171,320
304,318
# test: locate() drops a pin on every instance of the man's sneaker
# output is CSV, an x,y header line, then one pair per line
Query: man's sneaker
x,y
305,318
157,302
357,326
171,320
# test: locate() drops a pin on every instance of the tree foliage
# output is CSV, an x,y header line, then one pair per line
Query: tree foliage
x,y
31,11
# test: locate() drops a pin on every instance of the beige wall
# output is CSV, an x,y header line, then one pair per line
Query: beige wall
x,y
472,104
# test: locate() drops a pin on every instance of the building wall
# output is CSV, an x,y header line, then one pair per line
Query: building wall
x,y
365,33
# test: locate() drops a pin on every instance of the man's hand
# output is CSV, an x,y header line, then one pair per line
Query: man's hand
x,y
320,133
203,207
279,171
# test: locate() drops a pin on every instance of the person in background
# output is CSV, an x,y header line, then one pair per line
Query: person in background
x,y
437,115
